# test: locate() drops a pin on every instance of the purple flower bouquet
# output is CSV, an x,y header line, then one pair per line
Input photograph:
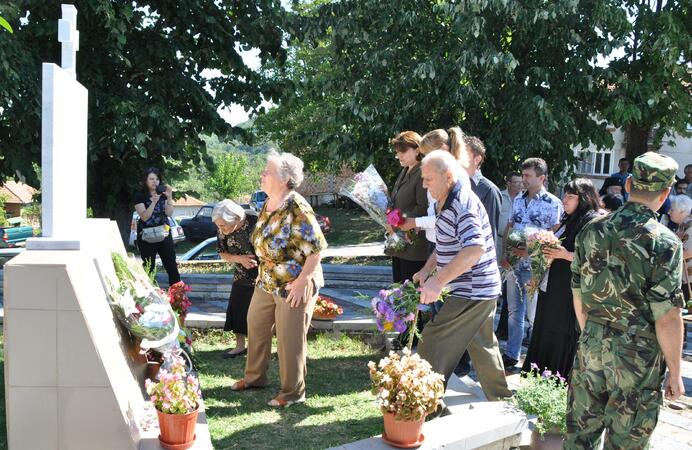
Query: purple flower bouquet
x,y
398,306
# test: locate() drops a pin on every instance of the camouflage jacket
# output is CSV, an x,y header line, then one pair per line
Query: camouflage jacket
x,y
628,267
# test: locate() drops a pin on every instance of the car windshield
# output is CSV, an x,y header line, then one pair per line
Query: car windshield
x,y
205,212
260,196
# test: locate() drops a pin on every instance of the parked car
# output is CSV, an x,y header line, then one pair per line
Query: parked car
x,y
257,200
177,232
200,227
15,236
206,250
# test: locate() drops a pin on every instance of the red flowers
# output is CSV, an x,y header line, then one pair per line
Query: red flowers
x,y
395,217
177,295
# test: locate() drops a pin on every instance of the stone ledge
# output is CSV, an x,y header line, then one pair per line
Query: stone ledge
x,y
490,425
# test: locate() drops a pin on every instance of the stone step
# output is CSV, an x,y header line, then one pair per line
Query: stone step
x,y
486,425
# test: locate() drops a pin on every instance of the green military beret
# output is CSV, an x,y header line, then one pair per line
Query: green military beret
x,y
653,172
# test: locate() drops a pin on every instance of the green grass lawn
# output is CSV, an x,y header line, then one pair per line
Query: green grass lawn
x,y
339,407
351,226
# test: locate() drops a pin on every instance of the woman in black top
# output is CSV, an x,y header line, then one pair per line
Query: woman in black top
x,y
154,208
234,245
555,330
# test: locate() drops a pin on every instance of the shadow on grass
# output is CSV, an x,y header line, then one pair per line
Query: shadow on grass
x,y
289,435
326,376
338,410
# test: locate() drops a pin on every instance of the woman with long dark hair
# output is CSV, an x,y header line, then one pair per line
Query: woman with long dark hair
x,y
153,203
555,332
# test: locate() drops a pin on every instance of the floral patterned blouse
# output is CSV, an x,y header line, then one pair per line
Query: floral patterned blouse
x,y
283,239
685,234
239,243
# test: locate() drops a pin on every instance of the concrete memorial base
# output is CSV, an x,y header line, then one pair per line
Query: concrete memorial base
x,y
73,378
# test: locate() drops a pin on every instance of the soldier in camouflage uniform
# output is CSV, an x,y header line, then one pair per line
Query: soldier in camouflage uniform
x,y
626,277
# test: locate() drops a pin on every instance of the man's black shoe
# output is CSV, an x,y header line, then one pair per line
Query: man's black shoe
x,y
508,362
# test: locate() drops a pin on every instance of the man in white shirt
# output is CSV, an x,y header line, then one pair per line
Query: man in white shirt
x,y
514,188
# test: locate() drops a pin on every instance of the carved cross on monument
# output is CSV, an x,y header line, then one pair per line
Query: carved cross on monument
x,y
69,37
63,146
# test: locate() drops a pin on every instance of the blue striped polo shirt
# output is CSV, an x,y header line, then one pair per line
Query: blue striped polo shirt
x,y
463,222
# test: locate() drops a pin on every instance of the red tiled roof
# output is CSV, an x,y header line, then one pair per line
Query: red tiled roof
x,y
324,183
188,200
15,192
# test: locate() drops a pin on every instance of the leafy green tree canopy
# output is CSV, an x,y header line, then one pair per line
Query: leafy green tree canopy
x,y
149,67
520,75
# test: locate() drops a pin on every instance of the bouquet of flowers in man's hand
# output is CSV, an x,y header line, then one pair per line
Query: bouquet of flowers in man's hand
x,y
397,306
536,241
370,193
516,240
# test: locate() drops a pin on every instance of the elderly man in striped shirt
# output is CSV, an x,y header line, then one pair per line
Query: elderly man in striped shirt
x,y
466,265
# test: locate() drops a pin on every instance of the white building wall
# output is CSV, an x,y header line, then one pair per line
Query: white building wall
x,y
681,151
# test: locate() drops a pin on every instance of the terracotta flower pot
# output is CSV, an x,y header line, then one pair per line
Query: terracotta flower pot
x,y
551,440
321,316
177,430
403,433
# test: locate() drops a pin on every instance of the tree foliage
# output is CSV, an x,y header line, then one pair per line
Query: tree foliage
x,y
520,75
231,178
650,83
149,67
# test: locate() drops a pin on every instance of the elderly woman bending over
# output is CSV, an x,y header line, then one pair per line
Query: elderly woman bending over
x,y
680,208
288,242
234,245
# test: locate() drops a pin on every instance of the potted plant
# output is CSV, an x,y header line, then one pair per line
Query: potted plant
x,y
407,390
326,309
176,397
544,395
177,295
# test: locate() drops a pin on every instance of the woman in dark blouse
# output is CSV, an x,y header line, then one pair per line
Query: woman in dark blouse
x,y
234,245
154,206
555,331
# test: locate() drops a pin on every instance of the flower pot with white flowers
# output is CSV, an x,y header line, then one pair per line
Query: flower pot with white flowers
x,y
407,390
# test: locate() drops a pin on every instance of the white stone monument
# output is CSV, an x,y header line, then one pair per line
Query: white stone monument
x,y
63,146
73,378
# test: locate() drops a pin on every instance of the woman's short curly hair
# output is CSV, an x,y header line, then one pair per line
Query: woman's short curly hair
x,y
290,167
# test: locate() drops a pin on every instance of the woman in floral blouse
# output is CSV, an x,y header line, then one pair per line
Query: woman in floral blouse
x,y
234,245
288,242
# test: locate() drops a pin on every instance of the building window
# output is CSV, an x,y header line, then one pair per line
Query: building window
x,y
595,162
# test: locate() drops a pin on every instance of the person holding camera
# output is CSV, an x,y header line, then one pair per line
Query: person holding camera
x,y
154,204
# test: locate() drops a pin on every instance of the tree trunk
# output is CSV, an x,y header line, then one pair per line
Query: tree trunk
x,y
637,141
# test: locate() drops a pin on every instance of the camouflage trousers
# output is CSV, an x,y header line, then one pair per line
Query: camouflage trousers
x,y
615,385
